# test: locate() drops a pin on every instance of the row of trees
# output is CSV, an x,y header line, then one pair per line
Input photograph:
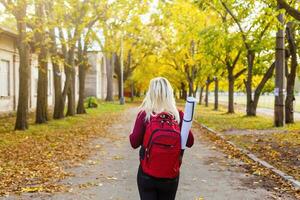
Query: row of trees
x,y
226,42
62,32
255,23
193,43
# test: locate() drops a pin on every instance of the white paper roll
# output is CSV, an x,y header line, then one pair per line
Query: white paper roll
x,y
187,120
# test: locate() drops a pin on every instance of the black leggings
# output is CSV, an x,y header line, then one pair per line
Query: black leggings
x,y
151,188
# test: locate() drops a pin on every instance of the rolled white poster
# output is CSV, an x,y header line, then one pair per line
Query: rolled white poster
x,y
187,120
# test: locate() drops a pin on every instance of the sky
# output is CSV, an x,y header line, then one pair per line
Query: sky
x,y
152,10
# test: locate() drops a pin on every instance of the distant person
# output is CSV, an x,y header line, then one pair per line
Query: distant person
x,y
157,132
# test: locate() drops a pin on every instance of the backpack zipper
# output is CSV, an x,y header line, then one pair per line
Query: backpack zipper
x,y
147,150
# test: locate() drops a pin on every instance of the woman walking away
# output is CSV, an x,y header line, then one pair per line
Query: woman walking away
x,y
157,133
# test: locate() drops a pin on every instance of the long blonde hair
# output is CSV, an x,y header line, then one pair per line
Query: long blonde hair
x,y
159,98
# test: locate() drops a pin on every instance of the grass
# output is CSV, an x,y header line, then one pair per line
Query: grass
x,y
34,160
278,146
9,136
221,121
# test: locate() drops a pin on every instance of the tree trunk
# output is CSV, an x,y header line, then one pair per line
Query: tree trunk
x,y
57,114
251,111
279,113
22,109
216,106
267,76
201,95
67,84
230,92
195,91
23,48
57,88
290,97
206,92
63,96
71,90
128,68
231,79
183,91
138,93
110,62
191,88
117,70
83,62
132,91
82,74
42,90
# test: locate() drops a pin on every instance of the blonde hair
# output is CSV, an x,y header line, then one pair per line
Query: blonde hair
x,y
159,98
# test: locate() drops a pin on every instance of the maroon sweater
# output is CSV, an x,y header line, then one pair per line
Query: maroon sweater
x,y
137,135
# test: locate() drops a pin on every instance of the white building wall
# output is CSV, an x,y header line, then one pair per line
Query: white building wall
x,y
96,81
8,54
92,81
34,83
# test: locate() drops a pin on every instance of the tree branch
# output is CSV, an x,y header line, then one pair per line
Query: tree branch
x,y
238,24
290,10
63,43
240,73
264,80
236,58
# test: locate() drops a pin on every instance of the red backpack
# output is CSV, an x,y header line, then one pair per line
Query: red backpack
x,y
161,150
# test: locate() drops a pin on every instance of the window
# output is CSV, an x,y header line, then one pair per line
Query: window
x,y
4,78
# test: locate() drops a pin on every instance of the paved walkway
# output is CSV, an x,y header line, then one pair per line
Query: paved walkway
x,y
206,173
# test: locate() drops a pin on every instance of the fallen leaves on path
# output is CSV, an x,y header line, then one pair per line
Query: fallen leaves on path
x,y
267,178
36,162
282,150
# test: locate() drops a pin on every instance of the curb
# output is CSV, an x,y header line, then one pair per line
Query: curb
x,y
295,183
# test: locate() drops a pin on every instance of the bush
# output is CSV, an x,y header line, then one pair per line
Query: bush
x,y
91,102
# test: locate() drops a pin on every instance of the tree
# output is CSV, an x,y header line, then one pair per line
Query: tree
x,y
216,105
201,95
289,9
82,65
181,44
41,48
279,115
69,24
207,84
254,42
122,22
19,10
225,52
110,64
56,60
290,73
83,44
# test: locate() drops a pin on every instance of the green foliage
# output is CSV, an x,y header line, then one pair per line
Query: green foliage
x,y
91,102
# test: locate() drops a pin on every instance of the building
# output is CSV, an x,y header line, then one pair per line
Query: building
x,y
9,65
9,75
96,82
